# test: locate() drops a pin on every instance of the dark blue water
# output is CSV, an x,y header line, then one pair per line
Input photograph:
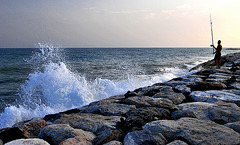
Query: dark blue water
x,y
35,82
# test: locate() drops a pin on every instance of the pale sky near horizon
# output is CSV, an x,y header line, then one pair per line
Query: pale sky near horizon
x,y
118,23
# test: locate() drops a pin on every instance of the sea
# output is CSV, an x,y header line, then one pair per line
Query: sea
x,y
48,79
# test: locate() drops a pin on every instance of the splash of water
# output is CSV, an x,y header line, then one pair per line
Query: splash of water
x,y
53,87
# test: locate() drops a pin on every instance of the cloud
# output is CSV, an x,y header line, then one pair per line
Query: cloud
x,y
168,11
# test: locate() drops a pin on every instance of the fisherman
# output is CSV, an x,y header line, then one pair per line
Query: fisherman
x,y
217,57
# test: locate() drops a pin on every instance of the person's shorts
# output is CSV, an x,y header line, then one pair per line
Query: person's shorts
x,y
217,56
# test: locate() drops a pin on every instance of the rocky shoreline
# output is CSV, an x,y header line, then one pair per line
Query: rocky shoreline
x,y
202,108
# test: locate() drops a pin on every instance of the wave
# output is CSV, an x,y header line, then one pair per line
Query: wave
x,y
53,87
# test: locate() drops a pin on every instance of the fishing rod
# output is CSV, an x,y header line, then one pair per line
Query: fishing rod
x,y
212,45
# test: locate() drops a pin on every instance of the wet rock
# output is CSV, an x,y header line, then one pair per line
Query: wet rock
x,y
130,94
144,137
56,133
33,127
107,134
11,133
114,109
136,118
168,93
146,101
33,141
195,131
182,113
213,96
220,112
234,125
114,143
88,121
177,142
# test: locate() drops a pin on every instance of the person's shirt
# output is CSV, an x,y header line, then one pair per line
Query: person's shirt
x,y
219,48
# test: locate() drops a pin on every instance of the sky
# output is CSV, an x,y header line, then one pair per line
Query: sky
x,y
118,23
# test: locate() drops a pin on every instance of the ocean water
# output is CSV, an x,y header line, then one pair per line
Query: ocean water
x,y
47,79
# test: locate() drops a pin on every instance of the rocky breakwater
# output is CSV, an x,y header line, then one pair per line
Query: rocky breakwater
x,y
202,108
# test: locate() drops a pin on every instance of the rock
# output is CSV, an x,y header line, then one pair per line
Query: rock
x,y
235,85
177,142
202,86
146,101
107,134
75,141
140,116
144,137
182,113
183,89
148,91
221,112
114,143
30,141
11,133
221,76
88,122
173,83
213,96
195,131
130,94
168,93
56,133
33,127
234,125
113,109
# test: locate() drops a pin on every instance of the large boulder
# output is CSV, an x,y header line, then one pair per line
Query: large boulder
x,y
194,131
136,118
203,86
30,141
168,93
113,109
143,137
56,133
213,96
88,121
218,112
146,101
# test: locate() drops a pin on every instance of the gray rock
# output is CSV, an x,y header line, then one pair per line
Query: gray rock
x,y
182,113
148,91
146,101
221,76
114,143
168,93
173,83
144,137
88,122
136,118
194,131
57,133
177,142
183,89
219,112
234,125
107,134
114,109
235,85
232,91
31,141
213,96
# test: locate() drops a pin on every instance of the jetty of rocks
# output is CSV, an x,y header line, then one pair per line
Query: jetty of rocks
x,y
201,108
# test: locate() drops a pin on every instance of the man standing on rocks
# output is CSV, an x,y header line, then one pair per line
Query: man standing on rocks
x,y
217,57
